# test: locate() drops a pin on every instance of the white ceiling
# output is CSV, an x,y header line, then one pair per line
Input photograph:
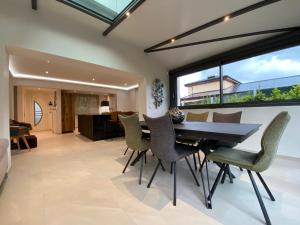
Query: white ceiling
x,y
156,21
24,61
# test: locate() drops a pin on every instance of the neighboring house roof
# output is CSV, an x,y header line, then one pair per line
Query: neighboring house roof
x,y
211,79
208,93
269,84
244,87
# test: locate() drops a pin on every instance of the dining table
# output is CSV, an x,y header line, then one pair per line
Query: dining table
x,y
227,132
224,132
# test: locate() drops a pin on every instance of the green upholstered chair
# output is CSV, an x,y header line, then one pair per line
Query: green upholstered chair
x,y
257,162
215,144
196,117
134,140
192,140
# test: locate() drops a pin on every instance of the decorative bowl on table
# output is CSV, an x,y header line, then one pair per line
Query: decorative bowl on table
x,y
176,114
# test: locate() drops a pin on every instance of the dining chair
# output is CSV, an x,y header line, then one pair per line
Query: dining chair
x,y
215,144
163,145
192,140
256,162
145,135
134,140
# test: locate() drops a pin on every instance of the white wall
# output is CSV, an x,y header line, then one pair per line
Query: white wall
x,y
55,30
4,98
290,142
51,30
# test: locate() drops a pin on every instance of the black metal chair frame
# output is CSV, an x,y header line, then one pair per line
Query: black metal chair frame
x,y
173,171
258,195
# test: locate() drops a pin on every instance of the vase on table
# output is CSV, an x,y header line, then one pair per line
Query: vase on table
x,y
176,114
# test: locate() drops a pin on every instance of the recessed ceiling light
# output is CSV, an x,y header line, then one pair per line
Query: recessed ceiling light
x,y
55,79
173,40
46,72
125,84
39,88
128,14
48,61
93,78
226,18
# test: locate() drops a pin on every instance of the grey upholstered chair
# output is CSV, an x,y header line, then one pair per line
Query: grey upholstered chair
x,y
192,140
164,146
214,144
257,162
134,140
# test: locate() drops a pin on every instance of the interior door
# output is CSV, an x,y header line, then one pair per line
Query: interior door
x,y
67,112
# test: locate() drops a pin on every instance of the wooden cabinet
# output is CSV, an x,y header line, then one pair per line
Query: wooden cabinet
x,y
67,112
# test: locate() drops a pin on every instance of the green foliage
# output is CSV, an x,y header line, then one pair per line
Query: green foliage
x,y
275,95
260,96
294,92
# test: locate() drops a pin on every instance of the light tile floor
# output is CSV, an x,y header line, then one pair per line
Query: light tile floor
x,y
69,180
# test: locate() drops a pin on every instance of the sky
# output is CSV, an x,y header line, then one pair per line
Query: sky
x,y
115,5
277,64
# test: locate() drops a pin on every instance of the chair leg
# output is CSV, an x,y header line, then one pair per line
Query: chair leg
x,y
224,174
203,186
128,162
171,170
203,162
154,173
209,205
212,191
174,185
18,143
136,159
195,178
126,150
162,166
199,158
26,143
229,174
265,186
145,158
195,162
141,166
261,203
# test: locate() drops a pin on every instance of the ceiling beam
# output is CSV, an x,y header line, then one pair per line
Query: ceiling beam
x,y
34,4
227,38
122,16
214,22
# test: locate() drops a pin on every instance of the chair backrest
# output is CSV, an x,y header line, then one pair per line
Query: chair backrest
x,y
270,141
196,117
227,118
133,131
162,134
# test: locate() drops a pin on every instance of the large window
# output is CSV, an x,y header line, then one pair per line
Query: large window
x,y
199,88
272,77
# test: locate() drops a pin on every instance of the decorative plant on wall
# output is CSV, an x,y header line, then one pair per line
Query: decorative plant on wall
x,y
157,92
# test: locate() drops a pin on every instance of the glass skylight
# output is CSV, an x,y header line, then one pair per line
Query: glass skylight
x,y
107,10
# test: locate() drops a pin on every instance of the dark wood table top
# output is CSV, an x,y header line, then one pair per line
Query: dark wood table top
x,y
231,132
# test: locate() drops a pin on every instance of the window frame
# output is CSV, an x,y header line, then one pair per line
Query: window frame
x,y
268,45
